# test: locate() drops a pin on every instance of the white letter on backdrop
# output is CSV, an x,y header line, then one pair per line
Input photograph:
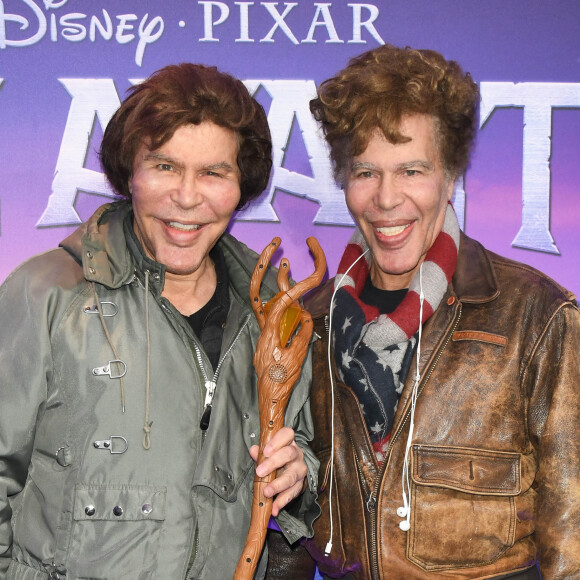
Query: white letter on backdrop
x,y
209,22
90,98
290,101
537,100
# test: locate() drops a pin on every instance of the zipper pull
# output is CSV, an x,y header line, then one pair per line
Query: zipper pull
x,y
204,422
371,503
209,393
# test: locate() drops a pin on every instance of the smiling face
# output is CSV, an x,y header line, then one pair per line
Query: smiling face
x,y
183,196
398,194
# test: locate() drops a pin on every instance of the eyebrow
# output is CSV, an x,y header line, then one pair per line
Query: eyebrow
x,y
362,165
415,163
220,165
160,157
358,165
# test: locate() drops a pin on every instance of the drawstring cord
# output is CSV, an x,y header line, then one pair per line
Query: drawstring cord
x,y
147,424
110,341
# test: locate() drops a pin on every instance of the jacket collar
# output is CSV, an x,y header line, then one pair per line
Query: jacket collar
x,y
474,279
111,255
99,246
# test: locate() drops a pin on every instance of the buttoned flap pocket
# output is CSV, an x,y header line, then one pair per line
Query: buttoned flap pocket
x,y
116,530
470,470
463,510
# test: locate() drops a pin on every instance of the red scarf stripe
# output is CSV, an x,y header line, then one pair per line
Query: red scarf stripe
x,y
406,316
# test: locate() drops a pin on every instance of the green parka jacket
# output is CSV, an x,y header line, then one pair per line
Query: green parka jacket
x,y
80,495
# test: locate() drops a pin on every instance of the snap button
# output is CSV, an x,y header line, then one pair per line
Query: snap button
x,y
90,510
91,270
217,468
146,508
89,255
225,488
230,476
156,276
246,416
118,510
252,435
450,300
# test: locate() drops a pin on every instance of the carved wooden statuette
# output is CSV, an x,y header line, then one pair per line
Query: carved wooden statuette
x,y
278,359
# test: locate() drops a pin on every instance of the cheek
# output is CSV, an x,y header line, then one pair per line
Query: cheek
x,y
354,203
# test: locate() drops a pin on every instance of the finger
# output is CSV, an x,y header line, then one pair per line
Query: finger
x,y
254,451
282,458
283,499
280,439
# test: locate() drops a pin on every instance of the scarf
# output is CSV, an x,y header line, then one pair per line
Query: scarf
x,y
373,351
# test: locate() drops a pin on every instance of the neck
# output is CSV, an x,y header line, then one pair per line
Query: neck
x,y
189,294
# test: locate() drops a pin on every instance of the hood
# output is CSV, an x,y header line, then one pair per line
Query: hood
x,y
99,245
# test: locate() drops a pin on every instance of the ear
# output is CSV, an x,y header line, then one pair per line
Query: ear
x,y
451,187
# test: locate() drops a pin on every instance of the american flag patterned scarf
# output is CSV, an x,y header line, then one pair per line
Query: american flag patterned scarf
x,y
373,351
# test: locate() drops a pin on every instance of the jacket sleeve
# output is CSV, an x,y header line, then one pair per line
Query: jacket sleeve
x,y
553,380
24,359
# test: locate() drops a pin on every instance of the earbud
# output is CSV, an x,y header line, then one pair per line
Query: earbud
x,y
402,512
405,525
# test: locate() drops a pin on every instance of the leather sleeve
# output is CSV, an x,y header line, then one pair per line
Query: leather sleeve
x,y
553,379
288,562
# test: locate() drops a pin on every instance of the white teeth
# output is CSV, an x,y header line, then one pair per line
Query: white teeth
x,y
392,231
184,227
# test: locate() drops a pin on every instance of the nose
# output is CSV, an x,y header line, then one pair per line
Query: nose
x,y
187,193
389,193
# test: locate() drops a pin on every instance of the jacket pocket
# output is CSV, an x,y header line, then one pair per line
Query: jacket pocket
x,y
463,506
115,531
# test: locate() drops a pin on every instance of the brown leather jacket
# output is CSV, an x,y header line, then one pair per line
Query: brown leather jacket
x,y
496,448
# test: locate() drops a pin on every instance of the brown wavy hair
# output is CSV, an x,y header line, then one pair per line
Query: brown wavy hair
x,y
186,94
379,87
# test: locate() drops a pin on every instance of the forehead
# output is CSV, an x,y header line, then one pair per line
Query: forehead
x,y
191,139
419,136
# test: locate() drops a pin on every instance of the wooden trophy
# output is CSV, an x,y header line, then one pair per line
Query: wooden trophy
x,y
286,330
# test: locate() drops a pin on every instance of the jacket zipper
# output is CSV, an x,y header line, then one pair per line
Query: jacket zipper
x,y
210,385
372,500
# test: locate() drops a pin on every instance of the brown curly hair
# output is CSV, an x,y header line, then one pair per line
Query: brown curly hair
x,y
185,94
379,87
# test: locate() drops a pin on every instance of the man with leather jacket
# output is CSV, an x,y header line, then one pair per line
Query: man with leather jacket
x,y
447,408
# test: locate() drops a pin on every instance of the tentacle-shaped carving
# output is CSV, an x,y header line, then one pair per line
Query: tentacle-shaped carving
x,y
277,366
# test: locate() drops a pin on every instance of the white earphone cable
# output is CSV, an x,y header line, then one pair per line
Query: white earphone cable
x,y
328,547
405,510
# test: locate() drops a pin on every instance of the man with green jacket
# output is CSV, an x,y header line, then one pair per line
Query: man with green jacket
x,y
129,411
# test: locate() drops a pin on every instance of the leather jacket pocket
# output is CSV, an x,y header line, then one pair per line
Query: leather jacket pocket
x,y
115,531
463,509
